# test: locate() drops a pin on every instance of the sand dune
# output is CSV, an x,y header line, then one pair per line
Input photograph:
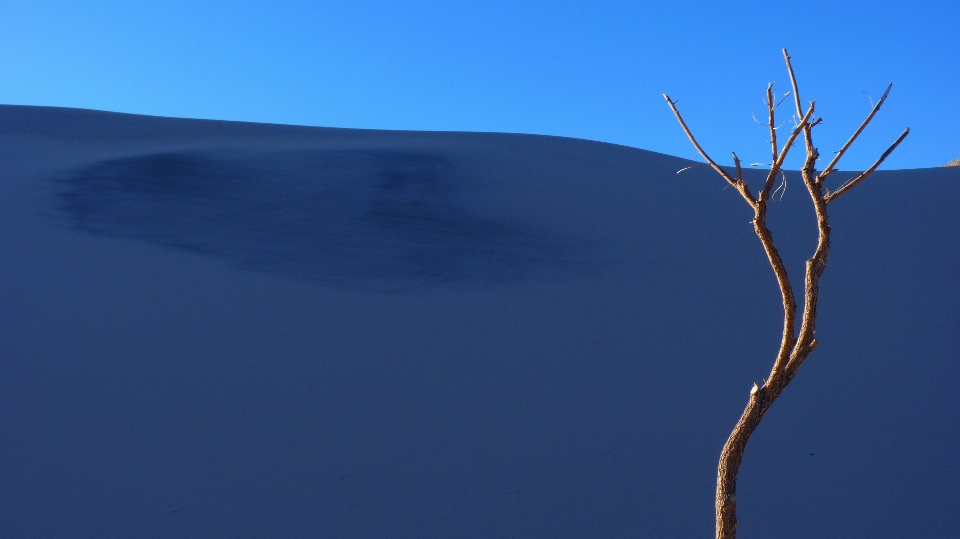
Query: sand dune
x,y
223,329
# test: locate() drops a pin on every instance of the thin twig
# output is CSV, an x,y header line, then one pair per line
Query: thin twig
x,y
783,186
773,130
782,98
684,169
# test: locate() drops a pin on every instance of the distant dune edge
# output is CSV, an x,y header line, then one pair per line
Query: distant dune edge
x,y
954,163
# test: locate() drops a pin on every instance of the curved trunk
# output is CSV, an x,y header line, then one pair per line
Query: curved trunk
x,y
794,347
729,466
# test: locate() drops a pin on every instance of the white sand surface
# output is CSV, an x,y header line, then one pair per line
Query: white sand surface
x,y
216,329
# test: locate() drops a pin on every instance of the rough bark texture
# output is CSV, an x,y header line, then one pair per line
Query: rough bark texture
x,y
795,346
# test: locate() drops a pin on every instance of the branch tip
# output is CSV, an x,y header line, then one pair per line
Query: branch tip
x,y
830,168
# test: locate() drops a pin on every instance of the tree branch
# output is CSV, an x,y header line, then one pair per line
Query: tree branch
x,y
739,184
830,170
778,162
793,82
773,129
783,281
850,184
808,138
736,161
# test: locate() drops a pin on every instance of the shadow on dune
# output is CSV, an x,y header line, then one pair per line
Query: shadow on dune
x,y
377,219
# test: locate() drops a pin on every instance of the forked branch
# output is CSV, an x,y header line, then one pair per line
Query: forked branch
x,y
738,183
778,162
795,346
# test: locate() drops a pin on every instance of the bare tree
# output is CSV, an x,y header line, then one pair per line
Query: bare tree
x,y
795,345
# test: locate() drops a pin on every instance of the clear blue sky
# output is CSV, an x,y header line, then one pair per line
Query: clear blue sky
x,y
593,70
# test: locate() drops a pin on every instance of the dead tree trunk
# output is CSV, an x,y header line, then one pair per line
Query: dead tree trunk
x,y
795,345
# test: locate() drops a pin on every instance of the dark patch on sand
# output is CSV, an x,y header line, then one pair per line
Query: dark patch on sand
x,y
380,219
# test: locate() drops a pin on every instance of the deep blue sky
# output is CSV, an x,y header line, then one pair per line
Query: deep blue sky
x,y
593,70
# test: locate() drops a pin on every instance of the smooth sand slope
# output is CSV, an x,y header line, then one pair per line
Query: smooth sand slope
x,y
216,329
